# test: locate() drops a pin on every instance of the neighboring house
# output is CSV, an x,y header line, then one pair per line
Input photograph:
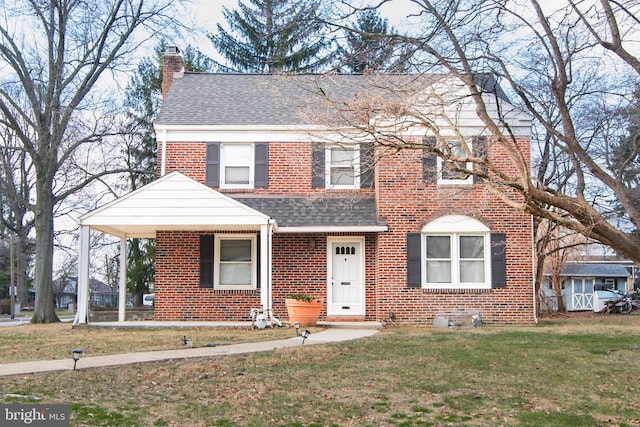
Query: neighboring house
x,y
586,286
101,294
260,196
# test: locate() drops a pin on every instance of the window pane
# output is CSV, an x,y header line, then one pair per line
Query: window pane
x,y
439,247
588,286
342,157
235,274
577,286
471,247
236,154
472,271
236,175
342,176
448,172
235,250
342,167
438,271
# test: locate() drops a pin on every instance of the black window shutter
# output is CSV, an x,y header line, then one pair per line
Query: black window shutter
x,y
498,261
212,175
261,170
367,165
479,146
258,262
429,162
317,166
206,261
414,260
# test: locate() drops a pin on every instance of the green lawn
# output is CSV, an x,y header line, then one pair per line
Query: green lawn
x,y
566,372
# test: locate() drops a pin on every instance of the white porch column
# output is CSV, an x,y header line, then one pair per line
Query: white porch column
x,y
122,287
82,315
265,261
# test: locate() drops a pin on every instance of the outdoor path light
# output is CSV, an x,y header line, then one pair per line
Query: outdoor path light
x,y
297,326
76,356
305,335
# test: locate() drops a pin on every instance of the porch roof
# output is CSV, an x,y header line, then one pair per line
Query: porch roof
x,y
318,213
172,202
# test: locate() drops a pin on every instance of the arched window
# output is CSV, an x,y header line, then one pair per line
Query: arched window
x,y
455,253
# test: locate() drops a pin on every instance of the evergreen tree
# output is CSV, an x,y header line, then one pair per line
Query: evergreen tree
x,y
270,36
143,98
369,46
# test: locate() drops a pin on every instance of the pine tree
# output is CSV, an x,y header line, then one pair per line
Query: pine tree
x,y
143,98
371,46
270,36
368,44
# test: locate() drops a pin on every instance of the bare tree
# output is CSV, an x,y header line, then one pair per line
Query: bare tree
x,y
16,187
562,65
58,59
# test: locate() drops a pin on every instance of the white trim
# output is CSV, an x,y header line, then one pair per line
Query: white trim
x,y
216,261
440,167
228,160
82,314
122,285
456,226
333,229
354,165
363,279
265,266
163,158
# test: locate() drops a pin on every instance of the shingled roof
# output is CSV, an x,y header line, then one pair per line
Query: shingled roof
x,y
317,211
268,99
594,270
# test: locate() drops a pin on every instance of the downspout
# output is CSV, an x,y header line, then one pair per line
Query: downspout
x,y
533,273
273,319
163,158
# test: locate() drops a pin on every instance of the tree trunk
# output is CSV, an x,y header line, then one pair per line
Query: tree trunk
x,y
22,256
45,308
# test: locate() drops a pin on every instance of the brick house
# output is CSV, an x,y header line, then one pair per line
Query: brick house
x,y
261,194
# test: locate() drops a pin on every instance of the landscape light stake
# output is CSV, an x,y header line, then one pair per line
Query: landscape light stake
x,y
76,356
305,335
297,326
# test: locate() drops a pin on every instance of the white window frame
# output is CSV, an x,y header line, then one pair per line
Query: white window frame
x,y
226,160
217,269
441,162
456,226
355,166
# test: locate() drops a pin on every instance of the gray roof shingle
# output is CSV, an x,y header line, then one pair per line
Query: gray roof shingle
x,y
268,99
316,211
595,270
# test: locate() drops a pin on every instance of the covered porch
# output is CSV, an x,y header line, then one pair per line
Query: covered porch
x,y
172,203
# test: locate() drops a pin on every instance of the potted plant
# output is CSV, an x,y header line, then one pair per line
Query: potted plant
x,y
303,308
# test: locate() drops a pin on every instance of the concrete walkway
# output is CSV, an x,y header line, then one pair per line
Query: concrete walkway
x,y
330,335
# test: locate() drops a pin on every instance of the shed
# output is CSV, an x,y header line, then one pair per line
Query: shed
x,y
585,285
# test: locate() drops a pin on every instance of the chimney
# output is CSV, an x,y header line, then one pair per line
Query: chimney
x,y
172,67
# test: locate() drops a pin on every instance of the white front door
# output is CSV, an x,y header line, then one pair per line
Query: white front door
x,y
345,276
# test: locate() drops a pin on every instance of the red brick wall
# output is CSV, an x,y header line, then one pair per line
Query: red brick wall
x,y
297,268
408,203
404,201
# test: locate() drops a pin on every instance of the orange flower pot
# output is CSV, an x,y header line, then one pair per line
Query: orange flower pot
x,y
306,313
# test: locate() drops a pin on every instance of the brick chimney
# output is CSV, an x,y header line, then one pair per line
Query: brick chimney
x,y
172,67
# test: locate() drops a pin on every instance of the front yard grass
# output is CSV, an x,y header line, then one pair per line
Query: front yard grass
x,y
564,372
